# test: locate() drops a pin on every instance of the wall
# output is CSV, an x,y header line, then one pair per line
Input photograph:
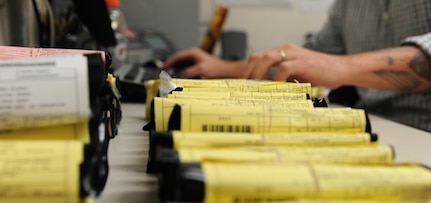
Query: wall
x,y
185,21
178,20
268,26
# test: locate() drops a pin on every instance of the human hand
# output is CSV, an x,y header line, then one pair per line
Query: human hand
x,y
205,65
298,63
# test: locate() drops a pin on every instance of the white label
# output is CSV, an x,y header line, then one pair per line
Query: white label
x,y
37,92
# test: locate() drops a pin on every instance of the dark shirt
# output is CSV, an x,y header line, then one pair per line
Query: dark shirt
x,y
355,26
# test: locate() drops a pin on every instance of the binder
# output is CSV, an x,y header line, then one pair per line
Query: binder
x,y
41,171
344,155
161,108
268,120
210,182
94,132
177,140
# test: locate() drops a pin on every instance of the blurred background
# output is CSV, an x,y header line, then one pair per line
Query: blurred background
x,y
183,22
140,33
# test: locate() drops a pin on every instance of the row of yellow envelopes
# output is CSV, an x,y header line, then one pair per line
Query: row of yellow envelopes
x,y
242,141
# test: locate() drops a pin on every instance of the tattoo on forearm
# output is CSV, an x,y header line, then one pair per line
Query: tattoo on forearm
x,y
421,66
401,79
390,60
405,80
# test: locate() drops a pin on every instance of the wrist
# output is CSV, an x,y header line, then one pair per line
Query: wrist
x,y
235,69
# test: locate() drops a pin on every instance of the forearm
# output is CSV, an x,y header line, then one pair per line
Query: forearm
x,y
403,68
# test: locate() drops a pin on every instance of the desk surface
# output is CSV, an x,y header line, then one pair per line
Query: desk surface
x,y
128,153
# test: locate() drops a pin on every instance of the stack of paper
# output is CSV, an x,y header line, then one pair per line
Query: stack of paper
x,y
262,141
58,110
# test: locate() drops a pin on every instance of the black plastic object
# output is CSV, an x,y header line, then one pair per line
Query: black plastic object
x,y
181,183
344,95
105,111
157,140
94,14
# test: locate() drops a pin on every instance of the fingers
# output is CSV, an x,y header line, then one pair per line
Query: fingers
x,y
259,64
190,54
285,71
191,72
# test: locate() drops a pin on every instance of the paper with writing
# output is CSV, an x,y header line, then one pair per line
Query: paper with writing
x,y
244,95
226,139
337,201
163,106
225,85
334,155
271,120
46,91
40,171
77,131
15,52
257,87
272,182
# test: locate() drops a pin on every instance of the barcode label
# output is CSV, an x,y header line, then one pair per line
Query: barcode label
x,y
226,128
